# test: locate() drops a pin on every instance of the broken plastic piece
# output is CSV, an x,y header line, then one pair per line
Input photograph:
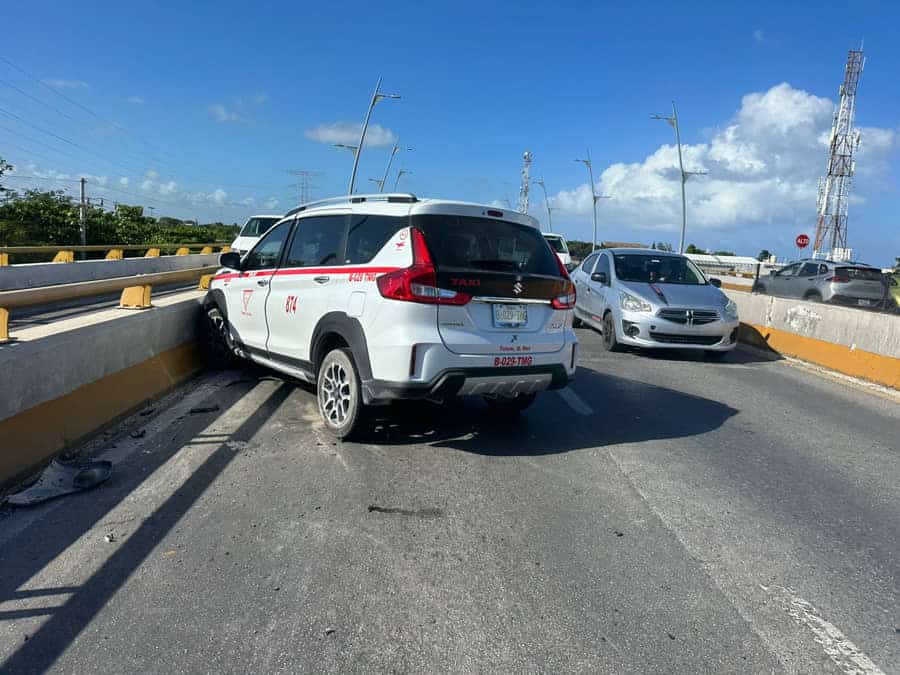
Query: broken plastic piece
x,y
61,478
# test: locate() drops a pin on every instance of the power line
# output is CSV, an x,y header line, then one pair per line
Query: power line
x,y
35,98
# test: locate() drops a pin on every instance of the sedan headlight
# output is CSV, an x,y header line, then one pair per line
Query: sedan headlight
x,y
632,303
731,310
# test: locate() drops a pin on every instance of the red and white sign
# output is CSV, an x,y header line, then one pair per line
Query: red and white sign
x,y
802,240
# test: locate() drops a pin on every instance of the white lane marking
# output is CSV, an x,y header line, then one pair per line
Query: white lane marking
x,y
575,402
846,655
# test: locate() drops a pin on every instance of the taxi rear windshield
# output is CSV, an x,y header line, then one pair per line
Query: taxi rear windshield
x,y
471,243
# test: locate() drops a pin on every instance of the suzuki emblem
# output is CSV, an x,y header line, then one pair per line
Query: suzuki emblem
x,y
690,317
517,288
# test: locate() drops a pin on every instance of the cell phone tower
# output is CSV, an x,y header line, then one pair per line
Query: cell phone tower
x,y
834,186
526,181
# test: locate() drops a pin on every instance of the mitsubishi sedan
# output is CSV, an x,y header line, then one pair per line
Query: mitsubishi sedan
x,y
653,299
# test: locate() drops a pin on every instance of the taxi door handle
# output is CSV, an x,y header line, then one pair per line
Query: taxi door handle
x,y
262,282
321,280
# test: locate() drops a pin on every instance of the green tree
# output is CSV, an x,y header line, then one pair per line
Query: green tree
x,y
764,255
4,167
37,218
723,252
691,248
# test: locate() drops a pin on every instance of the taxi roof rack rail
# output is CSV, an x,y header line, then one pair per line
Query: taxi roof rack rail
x,y
393,197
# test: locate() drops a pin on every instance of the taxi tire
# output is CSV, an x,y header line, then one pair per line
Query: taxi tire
x,y
509,406
218,351
339,394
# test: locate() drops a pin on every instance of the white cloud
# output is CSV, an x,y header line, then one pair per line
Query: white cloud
x,y
148,185
137,100
763,167
271,203
260,98
248,201
152,175
759,35
348,134
168,188
221,113
66,84
124,181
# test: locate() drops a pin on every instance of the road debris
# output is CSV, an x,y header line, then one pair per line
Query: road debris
x,y
61,478
419,513
110,538
140,433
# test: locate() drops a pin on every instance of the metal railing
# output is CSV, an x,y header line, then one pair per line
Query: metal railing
x,y
136,291
64,253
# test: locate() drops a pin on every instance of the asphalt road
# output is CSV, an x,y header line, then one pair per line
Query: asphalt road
x,y
665,515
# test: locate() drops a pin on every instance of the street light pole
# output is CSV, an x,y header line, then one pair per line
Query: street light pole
x,y
540,182
673,122
376,96
387,170
594,195
400,174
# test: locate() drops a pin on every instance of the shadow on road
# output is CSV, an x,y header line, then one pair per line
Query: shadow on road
x,y
624,411
25,554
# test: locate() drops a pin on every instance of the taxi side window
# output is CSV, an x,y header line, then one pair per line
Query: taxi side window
x,y
267,252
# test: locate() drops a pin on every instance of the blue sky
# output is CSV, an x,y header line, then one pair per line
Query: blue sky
x,y
205,107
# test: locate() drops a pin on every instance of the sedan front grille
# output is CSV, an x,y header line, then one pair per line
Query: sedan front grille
x,y
689,317
674,339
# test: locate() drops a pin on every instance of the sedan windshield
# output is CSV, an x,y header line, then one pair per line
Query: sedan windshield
x,y
658,269
557,244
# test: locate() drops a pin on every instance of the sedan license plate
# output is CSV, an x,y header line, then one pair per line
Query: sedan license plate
x,y
510,316
865,303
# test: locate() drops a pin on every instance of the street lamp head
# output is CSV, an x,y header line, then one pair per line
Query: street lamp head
x,y
380,96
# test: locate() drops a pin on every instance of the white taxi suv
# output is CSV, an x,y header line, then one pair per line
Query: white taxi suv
x,y
381,297
253,229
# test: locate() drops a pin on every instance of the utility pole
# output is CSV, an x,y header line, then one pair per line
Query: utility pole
x,y
673,122
376,96
81,215
594,196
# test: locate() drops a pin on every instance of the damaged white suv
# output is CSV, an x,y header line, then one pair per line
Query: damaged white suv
x,y
382,297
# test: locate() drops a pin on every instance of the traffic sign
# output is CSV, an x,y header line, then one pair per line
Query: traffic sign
x,y
802,240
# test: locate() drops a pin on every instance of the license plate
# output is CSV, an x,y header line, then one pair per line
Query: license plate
x,y
510,316
865,303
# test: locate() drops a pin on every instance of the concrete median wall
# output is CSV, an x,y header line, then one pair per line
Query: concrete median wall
x,y
49,274
64,381
851,341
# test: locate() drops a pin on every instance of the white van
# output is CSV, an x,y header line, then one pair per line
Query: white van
x,y
252,230
560,247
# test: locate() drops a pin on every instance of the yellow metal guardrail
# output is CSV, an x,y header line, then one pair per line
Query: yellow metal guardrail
x,y
136,291
66,254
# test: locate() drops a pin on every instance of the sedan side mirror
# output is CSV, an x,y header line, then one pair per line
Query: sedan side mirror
x,y
231,260
715,282
600,278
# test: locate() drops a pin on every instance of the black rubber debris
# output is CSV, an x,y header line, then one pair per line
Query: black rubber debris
x,y
204,409
418,513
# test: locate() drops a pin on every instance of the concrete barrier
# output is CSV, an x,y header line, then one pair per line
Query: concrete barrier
x,y
50,274
850,341
61,382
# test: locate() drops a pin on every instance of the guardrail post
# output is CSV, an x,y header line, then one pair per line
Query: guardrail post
x,y
225,249
204,282
4,259
136,297
184,250
115,254
152,253
64,257
4,325
206,250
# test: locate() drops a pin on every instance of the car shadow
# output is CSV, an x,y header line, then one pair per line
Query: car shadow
x,y
606,410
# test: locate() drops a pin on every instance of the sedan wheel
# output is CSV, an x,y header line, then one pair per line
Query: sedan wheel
x,y
610,343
